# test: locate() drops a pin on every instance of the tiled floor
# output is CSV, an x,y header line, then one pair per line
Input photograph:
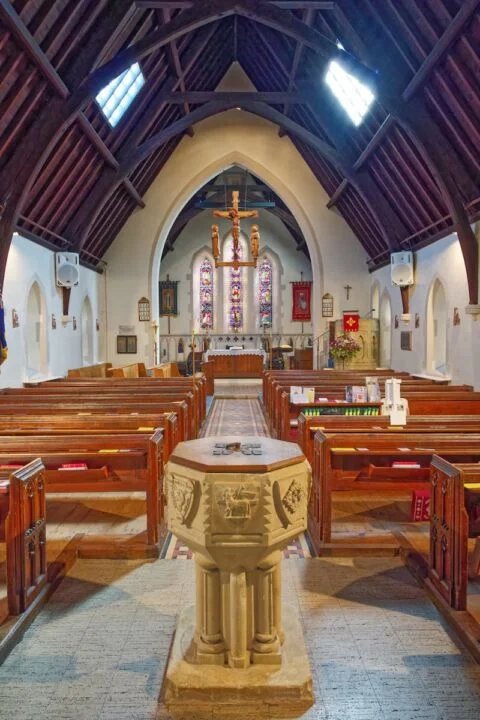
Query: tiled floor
x,y
378,647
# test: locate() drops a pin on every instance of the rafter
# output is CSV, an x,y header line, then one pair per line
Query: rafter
x,y
444,43
437,151
15,23
133,192
337,194
209,10
20,172
175,60
308,20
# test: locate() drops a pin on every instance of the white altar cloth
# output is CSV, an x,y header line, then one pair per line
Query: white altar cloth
x,y
247,351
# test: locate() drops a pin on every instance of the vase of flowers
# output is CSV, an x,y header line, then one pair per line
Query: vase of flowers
x,y
343,348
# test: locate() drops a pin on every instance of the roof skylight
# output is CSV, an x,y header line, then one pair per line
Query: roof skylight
x,y
120,92
353,96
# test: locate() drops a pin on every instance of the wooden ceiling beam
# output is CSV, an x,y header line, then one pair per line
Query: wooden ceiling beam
x,y
20,31
375,142
24,164
271,98
206,12
284,4
441,47
337,194
308,20
439,155
97,141
174,59
133,192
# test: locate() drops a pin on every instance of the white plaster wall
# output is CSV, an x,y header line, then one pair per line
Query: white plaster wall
x,y
27,263
442,260
220,142
276,241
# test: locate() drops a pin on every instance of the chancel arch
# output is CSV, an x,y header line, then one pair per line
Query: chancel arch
x,y
36,344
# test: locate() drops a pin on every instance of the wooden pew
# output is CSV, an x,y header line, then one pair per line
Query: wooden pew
x,y
450,530
99,370
122,463
420,403
78,425
134,370
23,529
197,384
155,386
87,406
166,370
363,461
309,425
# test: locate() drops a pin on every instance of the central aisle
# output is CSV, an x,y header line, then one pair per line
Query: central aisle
x,y
378,647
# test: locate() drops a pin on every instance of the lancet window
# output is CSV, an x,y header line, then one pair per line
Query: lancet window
x,y
265,292
206,294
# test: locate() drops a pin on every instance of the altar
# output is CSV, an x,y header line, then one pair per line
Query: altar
x,y
241,363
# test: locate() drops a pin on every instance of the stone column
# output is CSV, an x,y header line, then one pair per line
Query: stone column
x,y
266,644
277,601
209,638
238,656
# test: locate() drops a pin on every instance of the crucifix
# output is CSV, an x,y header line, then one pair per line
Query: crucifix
x,y
235,215
348,288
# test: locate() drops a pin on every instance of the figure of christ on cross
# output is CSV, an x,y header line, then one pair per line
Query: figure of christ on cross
x,y
235,215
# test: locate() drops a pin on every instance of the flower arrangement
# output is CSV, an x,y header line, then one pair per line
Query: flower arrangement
x,y
344,347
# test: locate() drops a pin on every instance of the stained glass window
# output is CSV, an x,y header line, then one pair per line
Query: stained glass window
x,y
206,294
236,296
265,292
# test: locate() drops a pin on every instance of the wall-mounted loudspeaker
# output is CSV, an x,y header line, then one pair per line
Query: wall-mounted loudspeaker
x,y
402,268
66,269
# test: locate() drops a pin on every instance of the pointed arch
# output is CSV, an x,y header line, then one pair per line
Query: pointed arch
x,y
36,340
375,300
263,173
385,317
436,348
88,350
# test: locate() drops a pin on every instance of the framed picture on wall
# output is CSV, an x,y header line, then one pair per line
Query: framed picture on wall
x,y
168,297
126,344
405,340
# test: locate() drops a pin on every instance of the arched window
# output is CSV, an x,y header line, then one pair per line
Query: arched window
x,y
236,295
36,336
265,285
385,331
437,323
87,332
206,294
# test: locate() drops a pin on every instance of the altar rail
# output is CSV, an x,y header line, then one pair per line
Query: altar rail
x,y
170,345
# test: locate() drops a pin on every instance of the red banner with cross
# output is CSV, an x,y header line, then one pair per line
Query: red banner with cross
x,y
351,322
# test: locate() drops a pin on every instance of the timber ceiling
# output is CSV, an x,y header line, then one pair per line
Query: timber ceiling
x,y
409,174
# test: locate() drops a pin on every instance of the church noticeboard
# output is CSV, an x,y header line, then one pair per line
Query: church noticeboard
x,y
168,297
405,340
327,305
